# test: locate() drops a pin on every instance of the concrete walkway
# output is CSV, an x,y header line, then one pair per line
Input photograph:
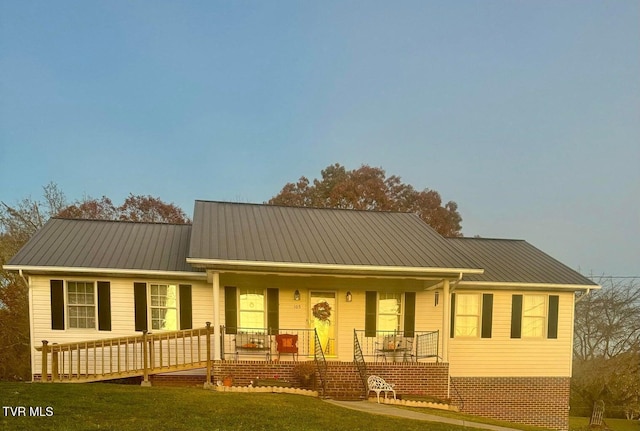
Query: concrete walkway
x,y
387,410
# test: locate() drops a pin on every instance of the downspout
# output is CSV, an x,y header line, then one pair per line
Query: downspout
x,y
586,293
30,292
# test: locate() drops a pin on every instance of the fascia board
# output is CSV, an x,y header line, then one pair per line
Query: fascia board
x,y
114,271
295,266
523,286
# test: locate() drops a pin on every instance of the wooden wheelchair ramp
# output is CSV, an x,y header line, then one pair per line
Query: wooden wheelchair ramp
x,y
122,357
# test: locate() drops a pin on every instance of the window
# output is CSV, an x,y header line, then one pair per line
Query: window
x,y
81,304
389,307
533,315
164,311
251,308
467,315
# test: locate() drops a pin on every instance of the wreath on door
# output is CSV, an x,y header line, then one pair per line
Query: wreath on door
x,y
322,311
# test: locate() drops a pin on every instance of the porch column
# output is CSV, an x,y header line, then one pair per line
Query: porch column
x,y
446,319
216,316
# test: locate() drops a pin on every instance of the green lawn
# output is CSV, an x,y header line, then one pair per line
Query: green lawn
x,y
119,407
580,424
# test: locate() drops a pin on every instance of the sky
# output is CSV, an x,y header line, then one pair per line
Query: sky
x,y
525,113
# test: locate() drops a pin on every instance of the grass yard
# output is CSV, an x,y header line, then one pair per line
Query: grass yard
x,y
119,407
582,424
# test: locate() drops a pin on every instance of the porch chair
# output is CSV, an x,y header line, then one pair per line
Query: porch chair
x,y
378,384
287,343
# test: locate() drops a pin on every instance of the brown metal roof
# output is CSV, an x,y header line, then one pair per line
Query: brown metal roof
x,y
515,261
104,244
264,233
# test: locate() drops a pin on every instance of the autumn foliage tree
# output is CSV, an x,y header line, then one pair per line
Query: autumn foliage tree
x,y
606,350
368,188
135,208
18,223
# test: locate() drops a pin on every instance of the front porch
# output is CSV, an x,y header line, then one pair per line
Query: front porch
x,y
248,354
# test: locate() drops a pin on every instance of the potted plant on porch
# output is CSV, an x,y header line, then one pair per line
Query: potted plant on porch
x,y
305,372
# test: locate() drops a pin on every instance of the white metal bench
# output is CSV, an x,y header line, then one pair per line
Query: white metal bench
x,y
377,384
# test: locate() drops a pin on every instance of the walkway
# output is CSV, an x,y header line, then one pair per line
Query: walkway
x,y
384,409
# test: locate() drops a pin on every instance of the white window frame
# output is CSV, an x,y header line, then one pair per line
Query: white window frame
x,y
534,316
467,322
69,305
175,307
398,314
251,291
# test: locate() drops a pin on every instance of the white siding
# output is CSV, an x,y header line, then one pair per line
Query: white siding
x,y
503,356
122,311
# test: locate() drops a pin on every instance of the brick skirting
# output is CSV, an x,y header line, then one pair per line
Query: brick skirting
x,y
539,401
344,382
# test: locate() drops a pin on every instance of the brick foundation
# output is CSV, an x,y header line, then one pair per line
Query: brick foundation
x,y
344,382
539,401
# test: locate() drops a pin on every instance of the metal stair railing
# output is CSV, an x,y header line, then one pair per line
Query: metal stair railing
x,y
321,363
358,359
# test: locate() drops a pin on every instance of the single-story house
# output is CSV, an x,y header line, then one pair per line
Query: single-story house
x,y
484,323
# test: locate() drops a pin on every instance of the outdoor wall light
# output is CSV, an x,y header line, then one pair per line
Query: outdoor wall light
x,y
349,297
296,295
436,299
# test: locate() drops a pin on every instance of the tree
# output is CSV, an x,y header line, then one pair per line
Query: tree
x,y
606,347
18,223
135,208
368,188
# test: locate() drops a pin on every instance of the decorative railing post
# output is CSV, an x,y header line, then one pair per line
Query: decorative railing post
x,y
207,383
45,353
54,365
145,355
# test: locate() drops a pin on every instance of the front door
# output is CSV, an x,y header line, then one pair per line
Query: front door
x,y
322,318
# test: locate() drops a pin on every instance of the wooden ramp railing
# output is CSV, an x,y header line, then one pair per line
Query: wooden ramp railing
x,y
121,357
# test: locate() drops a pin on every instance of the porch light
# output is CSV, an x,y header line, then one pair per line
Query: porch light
x,y
349,297
296,295
436,298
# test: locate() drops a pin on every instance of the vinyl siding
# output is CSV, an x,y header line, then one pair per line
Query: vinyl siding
x,y
122,311
525,357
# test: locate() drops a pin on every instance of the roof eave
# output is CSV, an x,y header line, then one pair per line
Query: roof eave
x,y
508,285
105,271
323,268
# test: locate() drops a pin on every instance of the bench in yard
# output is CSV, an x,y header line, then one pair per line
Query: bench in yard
x,y
377,385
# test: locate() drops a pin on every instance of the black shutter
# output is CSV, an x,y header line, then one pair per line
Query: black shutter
x,y
371,313
230,310
516,316
104,306
452,329
487,314
186,320
57,304
409,314
273,311
140,299
552,329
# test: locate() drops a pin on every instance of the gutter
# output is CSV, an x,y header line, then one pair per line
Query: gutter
x,y
586,293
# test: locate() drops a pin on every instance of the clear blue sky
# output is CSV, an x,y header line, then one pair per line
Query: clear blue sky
x,y
526,113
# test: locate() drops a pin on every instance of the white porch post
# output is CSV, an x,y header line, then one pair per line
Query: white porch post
x,y
446,320
216,316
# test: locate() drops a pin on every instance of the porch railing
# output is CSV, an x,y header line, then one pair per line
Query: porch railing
x,y
260,343
122,357
398,346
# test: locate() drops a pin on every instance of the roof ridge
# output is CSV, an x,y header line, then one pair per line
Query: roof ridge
x,y
264,204
120,221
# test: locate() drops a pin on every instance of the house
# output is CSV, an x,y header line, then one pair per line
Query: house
x,y
485,323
